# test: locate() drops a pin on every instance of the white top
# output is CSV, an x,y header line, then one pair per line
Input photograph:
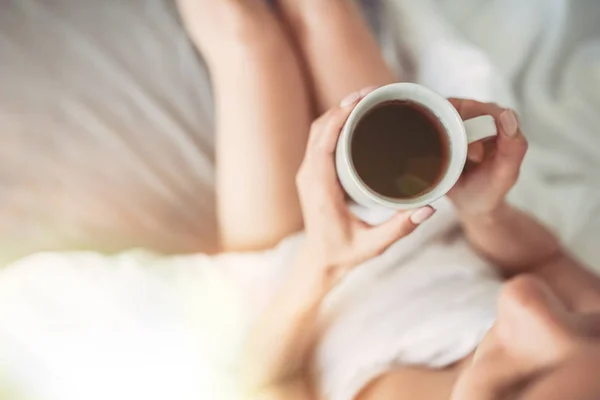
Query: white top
x,y
83,326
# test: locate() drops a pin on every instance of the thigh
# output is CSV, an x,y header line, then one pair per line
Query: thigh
x,y
412,383
263,118
340,49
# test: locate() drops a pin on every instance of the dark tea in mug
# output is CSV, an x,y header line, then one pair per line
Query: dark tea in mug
x,y
400,149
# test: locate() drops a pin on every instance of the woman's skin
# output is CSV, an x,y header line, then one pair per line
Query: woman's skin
x,y
274,76
335,43
262,118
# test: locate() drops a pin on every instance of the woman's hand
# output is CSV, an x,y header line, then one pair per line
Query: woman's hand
x,y
507,237
336,240
482,189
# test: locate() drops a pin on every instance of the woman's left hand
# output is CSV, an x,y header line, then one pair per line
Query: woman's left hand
x,y
482,189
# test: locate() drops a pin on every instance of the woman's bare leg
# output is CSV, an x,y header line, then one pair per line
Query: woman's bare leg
x,y
263,118
335,41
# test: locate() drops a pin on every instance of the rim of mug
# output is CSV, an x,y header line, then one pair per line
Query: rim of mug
x,y
456,133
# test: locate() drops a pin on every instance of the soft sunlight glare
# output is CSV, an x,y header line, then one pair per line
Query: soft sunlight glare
x,y
123,328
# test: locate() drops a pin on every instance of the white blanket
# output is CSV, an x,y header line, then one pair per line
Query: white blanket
x,y
87,327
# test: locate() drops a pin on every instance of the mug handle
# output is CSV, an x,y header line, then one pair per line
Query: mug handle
x,y
480,128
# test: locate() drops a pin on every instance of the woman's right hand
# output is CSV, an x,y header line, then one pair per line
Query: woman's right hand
x,y
336,240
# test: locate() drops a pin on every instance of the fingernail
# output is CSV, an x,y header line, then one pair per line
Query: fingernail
x,y
509,123
367,90
350,99
422,215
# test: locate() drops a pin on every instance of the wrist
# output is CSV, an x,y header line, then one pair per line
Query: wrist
x,y
310,272
510,238
490,217
315,269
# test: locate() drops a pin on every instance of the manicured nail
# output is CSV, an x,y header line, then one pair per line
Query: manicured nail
x,y
509,123
350,99
422,215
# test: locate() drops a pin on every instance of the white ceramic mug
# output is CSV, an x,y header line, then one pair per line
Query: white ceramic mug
x,y
460,134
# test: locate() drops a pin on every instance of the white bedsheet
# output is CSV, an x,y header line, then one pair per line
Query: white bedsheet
x,y
64,320
541,57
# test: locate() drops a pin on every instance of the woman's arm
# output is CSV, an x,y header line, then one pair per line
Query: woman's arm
x,y
336,242
276,350
514,241
519,244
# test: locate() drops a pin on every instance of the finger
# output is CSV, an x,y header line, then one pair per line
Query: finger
x,y
472,109
511,148
511,141
316,129
506,120
399,226
356,96
349,102
476,152
329,131
321,126
319,189
511,144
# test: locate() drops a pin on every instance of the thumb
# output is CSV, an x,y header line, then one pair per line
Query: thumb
x,y
400,225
